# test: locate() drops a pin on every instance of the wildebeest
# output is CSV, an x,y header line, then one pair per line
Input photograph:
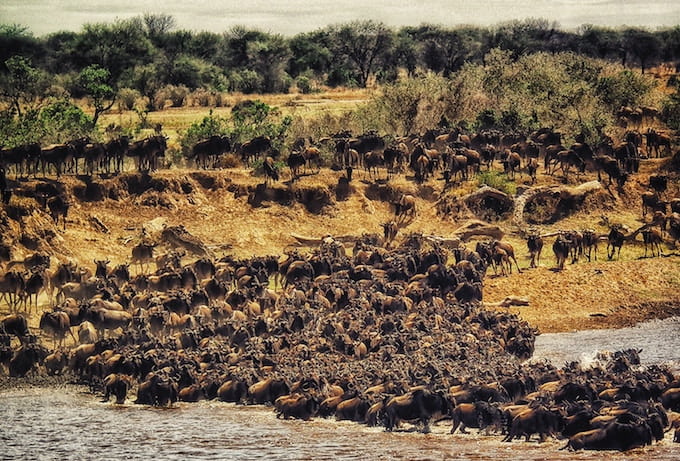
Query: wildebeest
x,y
615,240
12,286
540,420
652,237
206,153
420,405
294,161
57,324
147,151
56,155
589,242
652,202
615,436
271,172
481,415
58,207
14,324
610,166
117,384
405,207
561,248
250,150
511,162
534,245
25,358
142,254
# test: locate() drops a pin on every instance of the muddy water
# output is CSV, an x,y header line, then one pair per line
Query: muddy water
x,y
658,339
66,423
56,424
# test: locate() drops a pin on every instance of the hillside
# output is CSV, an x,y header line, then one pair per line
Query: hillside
x,y
231,214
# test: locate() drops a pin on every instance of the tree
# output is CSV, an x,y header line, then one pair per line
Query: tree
x,y
309,51
269,58
365,44
446,50
158,24
94,81
22,85
117,47
642,45
16,40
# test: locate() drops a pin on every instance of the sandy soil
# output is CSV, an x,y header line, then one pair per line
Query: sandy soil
x,y
213,206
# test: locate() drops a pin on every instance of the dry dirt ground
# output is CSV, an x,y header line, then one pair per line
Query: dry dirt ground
x,y
214,207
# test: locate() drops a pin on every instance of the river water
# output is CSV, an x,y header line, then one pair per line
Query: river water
x,y
290,17
68,423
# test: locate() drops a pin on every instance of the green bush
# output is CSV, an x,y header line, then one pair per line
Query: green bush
x,y
497,180
127,98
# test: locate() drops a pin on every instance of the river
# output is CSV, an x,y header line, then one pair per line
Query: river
x,y
294,16
66,422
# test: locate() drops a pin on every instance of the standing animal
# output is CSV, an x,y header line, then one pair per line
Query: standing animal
x,y
652,237
271,172
561,248
534,245
405,207
58,207
57,324
420,405
142,254
615,240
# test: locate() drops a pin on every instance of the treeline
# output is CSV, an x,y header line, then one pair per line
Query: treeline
x,y
516,76
147,53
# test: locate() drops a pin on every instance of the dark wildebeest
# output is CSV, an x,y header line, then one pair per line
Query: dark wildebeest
x,y
615,240
95,157
532,168
534,245
561,248
541,421
652,237
295,161
652,202
147,151
23,158
12,285
56,155
509,250
250,150
511,162
14,324
115,152
58,207
590,241
142,254
271,172
207,152
420,405
405,207
610,166
57,324
569,158
655,140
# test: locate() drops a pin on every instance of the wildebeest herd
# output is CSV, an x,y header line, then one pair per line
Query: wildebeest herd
x,y
381,337
384,336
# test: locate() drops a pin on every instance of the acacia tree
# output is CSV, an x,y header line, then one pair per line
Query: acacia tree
x,y
94,81
23,85
366,44
642,45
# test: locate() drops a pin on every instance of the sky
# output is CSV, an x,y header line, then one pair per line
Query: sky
x,y
290,17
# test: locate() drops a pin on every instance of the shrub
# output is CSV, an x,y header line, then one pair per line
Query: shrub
x,y
497,180
127,98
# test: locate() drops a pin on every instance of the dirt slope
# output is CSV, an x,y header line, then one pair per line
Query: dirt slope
x,y
230,213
